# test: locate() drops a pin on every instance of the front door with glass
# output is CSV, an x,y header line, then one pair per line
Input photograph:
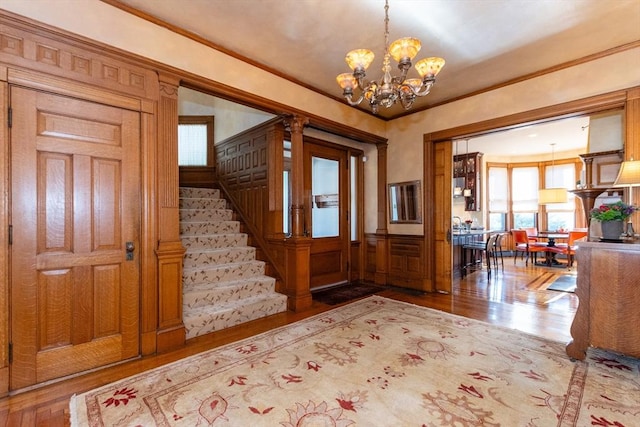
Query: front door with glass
x,y
326,190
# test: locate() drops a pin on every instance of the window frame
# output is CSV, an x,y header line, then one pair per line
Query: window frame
x,y
209,122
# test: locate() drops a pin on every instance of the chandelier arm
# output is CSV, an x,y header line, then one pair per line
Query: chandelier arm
x,y
406,100
349,98
425,89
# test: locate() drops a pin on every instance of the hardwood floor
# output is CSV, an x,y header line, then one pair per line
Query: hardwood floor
x,y
514,298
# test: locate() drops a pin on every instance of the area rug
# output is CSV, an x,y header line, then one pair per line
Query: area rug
x,y
344,293
376,362
565,283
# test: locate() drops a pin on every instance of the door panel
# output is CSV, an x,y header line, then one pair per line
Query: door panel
x,y
326,190
75,203
442,196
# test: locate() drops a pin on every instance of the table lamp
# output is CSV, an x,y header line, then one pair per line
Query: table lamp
x,y
629,176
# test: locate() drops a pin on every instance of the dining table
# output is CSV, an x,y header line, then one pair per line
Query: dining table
x,y
550,255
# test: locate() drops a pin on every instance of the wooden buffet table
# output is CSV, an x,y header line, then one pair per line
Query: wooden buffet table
x,y
608,290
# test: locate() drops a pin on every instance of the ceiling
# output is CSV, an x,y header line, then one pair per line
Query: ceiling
x,y
484,42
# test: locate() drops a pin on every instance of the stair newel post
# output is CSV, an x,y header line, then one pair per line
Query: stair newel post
x,y
298,246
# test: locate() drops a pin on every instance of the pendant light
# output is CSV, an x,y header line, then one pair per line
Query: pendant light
x,y
555,194
457,191
467,191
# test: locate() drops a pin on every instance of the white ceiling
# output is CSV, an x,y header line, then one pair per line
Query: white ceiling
x,y
560,136
485,42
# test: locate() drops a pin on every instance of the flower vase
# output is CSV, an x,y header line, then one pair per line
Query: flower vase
x,y
612,230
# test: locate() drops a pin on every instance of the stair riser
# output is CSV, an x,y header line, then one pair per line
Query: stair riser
x,y
200,324
194,297
203,204
208,228
224,273
199,193
216,241
221,256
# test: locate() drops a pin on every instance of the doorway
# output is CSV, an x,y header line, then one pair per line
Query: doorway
x,y
75,215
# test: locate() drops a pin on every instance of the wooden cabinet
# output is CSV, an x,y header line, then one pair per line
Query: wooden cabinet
x,y
609,296
468,167
406,262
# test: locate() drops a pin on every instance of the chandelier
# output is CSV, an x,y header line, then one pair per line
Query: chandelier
x,y
389,89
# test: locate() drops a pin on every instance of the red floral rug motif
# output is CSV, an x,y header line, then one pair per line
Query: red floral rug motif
x,y
376,362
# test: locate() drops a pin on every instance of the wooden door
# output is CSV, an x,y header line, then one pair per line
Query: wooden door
x,y
327,200
442,199
75,203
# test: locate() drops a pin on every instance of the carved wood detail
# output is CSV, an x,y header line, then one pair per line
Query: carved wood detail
x,y
170,328
20,47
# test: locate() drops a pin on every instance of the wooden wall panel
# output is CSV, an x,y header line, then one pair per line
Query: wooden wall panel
x,y
406,266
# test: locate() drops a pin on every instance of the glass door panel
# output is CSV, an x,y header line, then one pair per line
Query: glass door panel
x,y
325,190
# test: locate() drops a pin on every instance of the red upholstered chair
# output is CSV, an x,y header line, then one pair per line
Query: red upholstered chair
x,y
569,248
532,233
524,246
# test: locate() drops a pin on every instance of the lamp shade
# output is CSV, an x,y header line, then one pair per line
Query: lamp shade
x,y
629,174
552,195
429,67
404,48
359,59
347,81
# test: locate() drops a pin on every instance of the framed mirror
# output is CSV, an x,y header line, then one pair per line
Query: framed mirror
x,y
405,205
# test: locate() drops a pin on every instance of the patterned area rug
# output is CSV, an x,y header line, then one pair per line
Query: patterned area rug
x,y
376,362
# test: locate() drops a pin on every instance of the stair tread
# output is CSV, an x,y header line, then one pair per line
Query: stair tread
x,y
227,283
225,265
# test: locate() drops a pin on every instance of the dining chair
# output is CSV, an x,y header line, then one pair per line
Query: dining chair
x,y
569,248
524,246
497,252
481,250
532,233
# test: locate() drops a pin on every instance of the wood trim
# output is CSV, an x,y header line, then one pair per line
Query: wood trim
x,y
576,108
43,82
209,122
148,235
4,241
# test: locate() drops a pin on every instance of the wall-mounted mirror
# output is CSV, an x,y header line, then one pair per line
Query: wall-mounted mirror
x,y
405,205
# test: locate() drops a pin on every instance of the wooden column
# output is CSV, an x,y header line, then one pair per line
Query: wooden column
x,y
170,330
298,246
275,162
382,249
632,143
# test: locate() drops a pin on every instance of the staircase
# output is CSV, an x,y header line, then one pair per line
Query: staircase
x,y
223,283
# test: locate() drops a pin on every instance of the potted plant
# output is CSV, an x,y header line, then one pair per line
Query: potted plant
x,y
612,217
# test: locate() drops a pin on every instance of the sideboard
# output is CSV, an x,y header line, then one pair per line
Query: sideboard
x,y
608,291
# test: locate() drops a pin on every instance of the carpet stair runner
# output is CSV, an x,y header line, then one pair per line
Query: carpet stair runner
x,y
223,283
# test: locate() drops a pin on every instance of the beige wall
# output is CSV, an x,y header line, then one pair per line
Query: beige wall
x,y
106,24
229,118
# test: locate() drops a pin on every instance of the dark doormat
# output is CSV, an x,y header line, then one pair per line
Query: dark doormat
x,y
565,283
347,292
